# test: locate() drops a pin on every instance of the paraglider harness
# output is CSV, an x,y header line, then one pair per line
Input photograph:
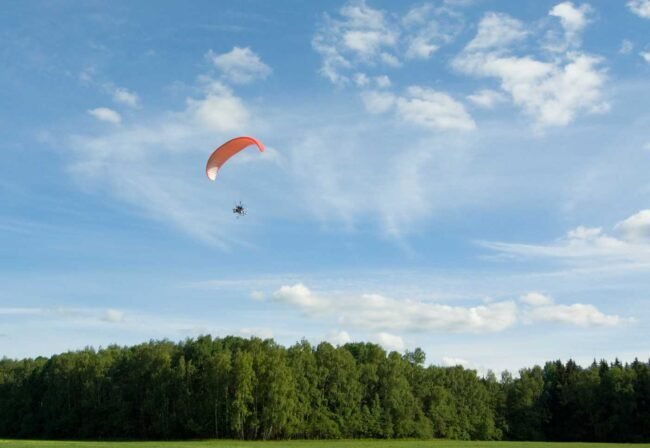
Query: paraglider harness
x,y
239,210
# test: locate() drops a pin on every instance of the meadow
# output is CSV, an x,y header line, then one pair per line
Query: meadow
x,y
308,444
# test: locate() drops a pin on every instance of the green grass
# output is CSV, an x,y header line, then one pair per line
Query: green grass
x,y
307,444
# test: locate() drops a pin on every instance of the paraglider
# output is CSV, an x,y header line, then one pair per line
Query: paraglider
x,y
221,155
226,151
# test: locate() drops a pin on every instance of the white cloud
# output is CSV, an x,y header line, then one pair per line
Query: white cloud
x,y
379,313
143,164
495,31
361,79
126,97
640,7
120,95
433,109
389,341
535,299
382,81
452,362
378,102
542,309
258,295
421,106
240,65
626,47
247,332
645,55
220,110
553,92
427,28
421,48
82,316
390,60
339,337
577,314
106,114
112,315
360,35
574,20
367,43
487,98
591,245
636,228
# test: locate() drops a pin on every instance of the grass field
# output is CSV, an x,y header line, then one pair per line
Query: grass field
x,y
307,444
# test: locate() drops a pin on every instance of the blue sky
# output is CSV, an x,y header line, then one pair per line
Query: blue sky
x,y
466,176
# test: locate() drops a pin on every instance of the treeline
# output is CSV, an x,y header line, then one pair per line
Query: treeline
x,y
256,389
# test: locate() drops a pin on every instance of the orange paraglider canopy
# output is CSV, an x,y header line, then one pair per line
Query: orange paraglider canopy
x,y
226,151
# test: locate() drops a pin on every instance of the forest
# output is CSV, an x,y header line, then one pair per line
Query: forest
x,y
257,389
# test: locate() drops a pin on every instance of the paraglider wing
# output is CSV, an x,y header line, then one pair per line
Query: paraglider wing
x,y
226,151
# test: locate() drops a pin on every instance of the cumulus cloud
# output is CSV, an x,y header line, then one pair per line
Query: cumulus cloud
x,y
449,361
496,30
220,110
240,65
640,7
577,314
389,341
574,19
106,114
636,228
554,91
360,35
487,98
384,315
427,28
421,106
124,96
377,102
541,308
645,55
379,313
339,337
433,109
535,299
382,81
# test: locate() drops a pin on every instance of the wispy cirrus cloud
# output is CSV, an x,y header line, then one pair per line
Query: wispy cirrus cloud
x,y
141,164
86,316
120,95
591,245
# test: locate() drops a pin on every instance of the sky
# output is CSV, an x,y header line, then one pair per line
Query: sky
x,y
465,176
